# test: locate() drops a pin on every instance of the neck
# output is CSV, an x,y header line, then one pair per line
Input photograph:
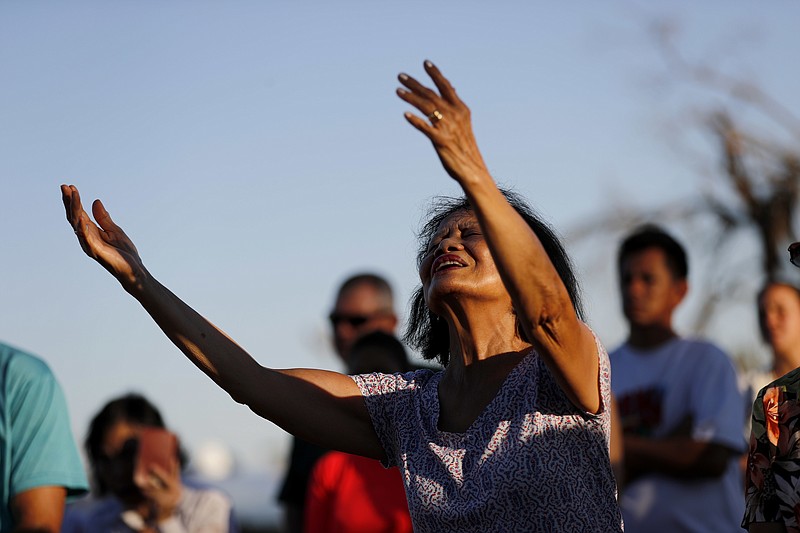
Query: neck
x,y
784,363
647,337
481,333
481,375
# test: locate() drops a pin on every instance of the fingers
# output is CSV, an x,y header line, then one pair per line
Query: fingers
x,y
154,479
145,481
111,234
76,216
425,105
445,89
72,205
75,212
162,490
86,231
163,474
421,125
423,98
417,88
161,486
435,106
102,217
107,243
66,197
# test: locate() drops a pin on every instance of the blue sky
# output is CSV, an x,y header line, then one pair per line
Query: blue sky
x,y
257,155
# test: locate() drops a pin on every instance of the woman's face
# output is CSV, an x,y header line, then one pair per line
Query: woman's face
x,y
458,263
779,314
120,444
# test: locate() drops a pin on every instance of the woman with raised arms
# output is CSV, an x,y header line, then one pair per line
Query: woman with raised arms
x,y
513,434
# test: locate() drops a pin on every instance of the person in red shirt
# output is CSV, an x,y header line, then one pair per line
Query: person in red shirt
x,y
352,494
364,303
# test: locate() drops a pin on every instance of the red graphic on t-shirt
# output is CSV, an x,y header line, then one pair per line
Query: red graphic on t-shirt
x,y
641,411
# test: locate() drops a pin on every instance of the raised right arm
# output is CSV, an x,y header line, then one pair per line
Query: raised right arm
x,y
319,406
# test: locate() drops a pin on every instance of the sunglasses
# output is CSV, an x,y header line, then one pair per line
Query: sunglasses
x,y
794,254
354,321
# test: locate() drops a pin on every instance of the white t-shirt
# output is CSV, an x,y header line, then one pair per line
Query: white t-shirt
x,y
200,510
656,390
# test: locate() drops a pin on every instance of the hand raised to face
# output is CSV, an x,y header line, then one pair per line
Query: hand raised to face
x,y
162,488
448,125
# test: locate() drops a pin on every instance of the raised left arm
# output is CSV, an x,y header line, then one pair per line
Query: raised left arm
x,y
540,298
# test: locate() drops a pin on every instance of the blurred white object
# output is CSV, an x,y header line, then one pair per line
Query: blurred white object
x,y
214,461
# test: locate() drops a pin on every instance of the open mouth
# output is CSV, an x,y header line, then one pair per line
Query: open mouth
x,y
447,262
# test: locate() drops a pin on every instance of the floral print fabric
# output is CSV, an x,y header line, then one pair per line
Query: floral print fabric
x,y
772,490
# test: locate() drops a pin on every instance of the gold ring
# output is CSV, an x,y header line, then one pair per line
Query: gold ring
x,y
435,116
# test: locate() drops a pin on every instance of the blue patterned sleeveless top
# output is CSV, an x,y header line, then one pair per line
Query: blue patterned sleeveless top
x,y
532,461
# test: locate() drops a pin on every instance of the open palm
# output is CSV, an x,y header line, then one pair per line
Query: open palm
x,y
105,242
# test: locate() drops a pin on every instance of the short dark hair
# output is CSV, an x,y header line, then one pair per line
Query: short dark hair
x,y
652,236
430,336
379,342
377,282
133,408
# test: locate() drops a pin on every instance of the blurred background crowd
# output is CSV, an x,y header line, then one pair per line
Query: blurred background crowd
x,y
270,130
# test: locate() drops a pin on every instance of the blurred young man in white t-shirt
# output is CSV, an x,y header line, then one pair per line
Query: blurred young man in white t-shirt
x,y
681,411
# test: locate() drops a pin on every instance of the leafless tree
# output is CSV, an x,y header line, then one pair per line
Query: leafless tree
x,y
756,180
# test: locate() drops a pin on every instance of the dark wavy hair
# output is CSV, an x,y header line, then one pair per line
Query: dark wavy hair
x,y
430,336
132,408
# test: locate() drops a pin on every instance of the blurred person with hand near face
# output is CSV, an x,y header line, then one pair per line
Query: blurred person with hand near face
x,y
127,499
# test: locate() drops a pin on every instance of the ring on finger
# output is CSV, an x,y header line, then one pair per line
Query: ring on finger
x,y
435,116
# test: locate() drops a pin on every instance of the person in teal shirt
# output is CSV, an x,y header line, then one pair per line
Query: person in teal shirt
x,y
39,462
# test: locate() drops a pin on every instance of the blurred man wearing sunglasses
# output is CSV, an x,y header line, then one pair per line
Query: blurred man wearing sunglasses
x,y
364,303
